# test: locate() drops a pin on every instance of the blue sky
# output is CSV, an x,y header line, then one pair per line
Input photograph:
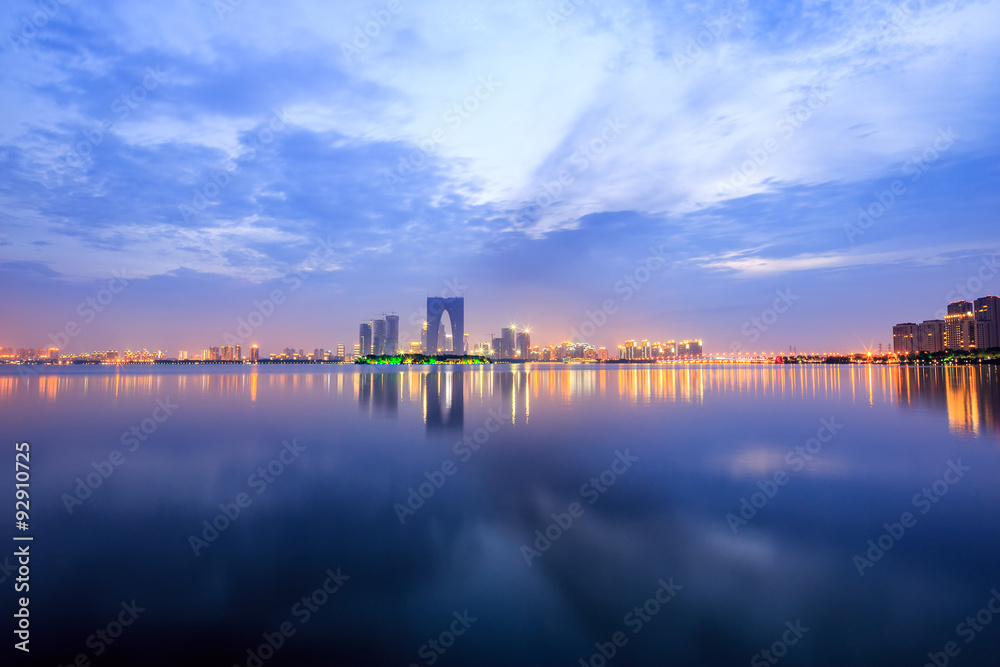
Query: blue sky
x,y
531,156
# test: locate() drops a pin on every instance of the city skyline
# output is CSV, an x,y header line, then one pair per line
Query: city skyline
x,y
170,189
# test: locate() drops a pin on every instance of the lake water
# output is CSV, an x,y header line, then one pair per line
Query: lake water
x,y
688,515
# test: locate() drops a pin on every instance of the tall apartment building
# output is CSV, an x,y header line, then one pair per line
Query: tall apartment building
x,y
365,339
960,326
931,336
391,334
987,317
906,338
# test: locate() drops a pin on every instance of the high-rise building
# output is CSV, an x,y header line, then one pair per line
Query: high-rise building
x,y
906,338
340,350
391,334
960,326
238,353
365,338
254,354
357,350
423,339
379,336
507,343
465,343
523,345
602,353
416,347
214,354
182,355
931,335
689,348
987,316
436,308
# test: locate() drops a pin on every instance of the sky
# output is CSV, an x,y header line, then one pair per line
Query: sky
x,y
760,175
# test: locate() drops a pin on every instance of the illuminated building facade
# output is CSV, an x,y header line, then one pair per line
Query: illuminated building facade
x,y
960,326
931,336
987,318
906,338
438,306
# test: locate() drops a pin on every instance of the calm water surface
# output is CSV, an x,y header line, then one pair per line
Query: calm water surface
x,y
538,515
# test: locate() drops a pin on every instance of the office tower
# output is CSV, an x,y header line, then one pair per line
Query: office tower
x,y
960,326
465,343
495,347
523,345
379,336
319,353
987,317
365,338
423,339
340,350
416,347
507,343
442,344
357,350
906,338
438,306
254,354
392,334
238,353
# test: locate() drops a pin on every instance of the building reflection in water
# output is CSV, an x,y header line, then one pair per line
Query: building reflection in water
x,y
378,393
444,399
969,396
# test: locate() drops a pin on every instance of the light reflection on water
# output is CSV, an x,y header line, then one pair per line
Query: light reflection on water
x,y
704,437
